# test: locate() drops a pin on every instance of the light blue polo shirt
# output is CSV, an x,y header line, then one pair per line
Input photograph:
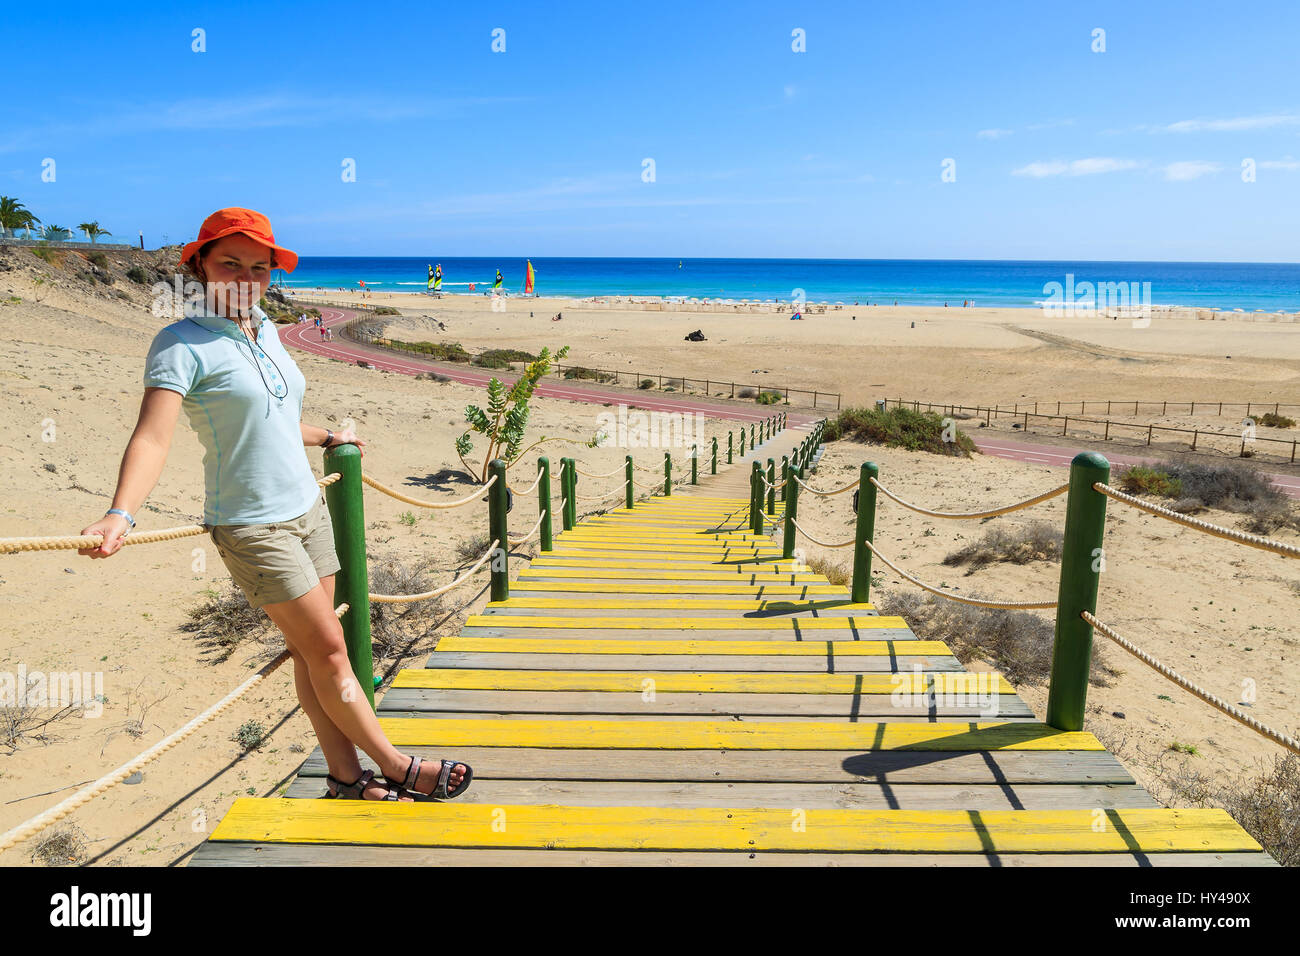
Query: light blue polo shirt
x,y
254,462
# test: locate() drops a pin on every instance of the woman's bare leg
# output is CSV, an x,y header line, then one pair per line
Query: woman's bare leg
x,y
311,628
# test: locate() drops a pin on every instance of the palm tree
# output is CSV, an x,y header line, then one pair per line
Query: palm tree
x,y
92,230
57,233
14,215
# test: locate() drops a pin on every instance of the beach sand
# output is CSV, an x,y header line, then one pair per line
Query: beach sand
x,y
970,355
77,361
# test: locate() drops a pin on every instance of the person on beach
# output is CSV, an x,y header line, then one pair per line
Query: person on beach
x,y
225,365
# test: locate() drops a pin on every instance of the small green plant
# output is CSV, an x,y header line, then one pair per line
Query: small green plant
x,y
1141,480
99,259
506,417
385,310
1189,749
407,518
501,358
647,383
48,253
769,398
250,734
136,274
901,427
1274,420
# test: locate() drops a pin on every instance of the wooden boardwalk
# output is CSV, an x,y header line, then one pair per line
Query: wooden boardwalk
x,y
663,688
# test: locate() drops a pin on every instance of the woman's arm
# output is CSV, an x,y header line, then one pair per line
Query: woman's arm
x,y
142,466
312,436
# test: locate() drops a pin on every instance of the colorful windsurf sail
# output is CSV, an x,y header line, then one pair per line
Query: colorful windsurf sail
x,y
496,283
437,277
529,277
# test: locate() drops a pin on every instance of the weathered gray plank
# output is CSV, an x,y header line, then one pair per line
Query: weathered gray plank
x,y
848,706
809,796
738,663
789,632
805,766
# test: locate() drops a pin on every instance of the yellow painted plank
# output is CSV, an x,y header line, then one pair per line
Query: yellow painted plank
x,y
547,826
654,574
570,645
680,537
974,686
669,564
865,622
655,587
731,735
684,603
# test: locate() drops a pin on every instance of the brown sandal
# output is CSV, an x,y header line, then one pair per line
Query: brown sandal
x,y
440,791
356,790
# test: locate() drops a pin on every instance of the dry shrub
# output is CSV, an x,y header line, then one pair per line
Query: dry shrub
x,y
1266,806
1037,541
833,571
1017,643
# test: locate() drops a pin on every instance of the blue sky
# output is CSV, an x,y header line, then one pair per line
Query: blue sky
x,y
1059,151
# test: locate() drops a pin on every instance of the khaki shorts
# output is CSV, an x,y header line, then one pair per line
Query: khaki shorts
x,y
279,561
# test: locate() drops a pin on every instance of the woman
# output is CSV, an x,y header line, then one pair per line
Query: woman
x,y
225,365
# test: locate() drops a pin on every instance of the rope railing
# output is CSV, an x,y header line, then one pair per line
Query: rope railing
x,y
824,544
1241,537
617,491
79,541
1169,674
410,598
31,827
827,494
608,474
976,602
536,481
536,528
476,496
1005,509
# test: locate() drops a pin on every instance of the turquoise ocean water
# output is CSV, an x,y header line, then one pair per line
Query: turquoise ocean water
x,y
1271,287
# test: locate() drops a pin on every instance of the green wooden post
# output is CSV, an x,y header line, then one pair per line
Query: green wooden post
x,y
791,513
751,435
865,530
1082,558
729,437
785,478
713,467
771,486
573,495
544,501
756,498
352,581
742,443
497,531
695,475
627,482
668,473
566,490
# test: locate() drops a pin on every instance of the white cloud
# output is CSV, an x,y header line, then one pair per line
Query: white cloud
x,y
993,133
1287,164
1233,125
1190,169
1075,167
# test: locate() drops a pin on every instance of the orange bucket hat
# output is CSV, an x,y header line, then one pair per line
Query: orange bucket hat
x,y
225,222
